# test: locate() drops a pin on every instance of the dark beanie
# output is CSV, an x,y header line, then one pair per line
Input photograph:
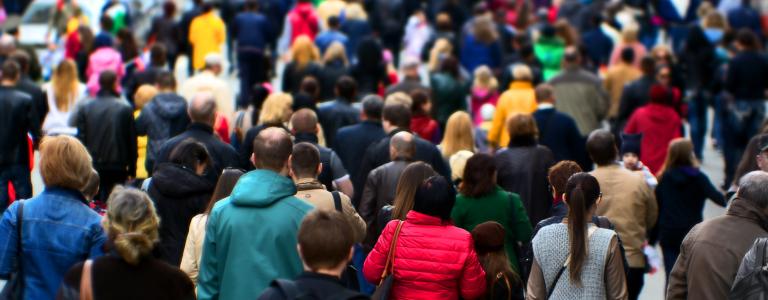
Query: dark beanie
x,y
488,237
630,143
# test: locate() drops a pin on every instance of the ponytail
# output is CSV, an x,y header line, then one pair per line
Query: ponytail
x,y
582,192
131,223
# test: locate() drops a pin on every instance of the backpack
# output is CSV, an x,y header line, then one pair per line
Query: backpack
x,y
291,291
752,279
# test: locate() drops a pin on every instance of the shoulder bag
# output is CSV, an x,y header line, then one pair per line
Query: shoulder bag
x,y
387,278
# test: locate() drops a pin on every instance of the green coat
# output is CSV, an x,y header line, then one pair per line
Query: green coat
x,y
500,206
250,238
550,52
448,96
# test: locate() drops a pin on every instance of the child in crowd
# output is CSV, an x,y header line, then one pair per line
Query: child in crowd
x,y
630,157
484,91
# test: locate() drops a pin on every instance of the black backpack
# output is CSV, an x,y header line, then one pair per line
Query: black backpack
x,y
752,279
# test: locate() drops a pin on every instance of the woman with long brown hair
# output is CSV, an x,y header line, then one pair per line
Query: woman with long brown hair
x,y
64,91
591,266
681,193
413,175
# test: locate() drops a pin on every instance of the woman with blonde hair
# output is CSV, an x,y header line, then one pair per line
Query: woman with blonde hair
x,y
485,89
132,227
275,112
63,229
305,61
459,135
64,92
335,65
629,40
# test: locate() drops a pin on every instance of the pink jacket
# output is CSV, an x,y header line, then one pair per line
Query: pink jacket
x,y
433,260
104,58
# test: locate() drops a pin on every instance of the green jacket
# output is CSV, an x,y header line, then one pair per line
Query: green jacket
x,y
500,206
550,52
251,238
448,96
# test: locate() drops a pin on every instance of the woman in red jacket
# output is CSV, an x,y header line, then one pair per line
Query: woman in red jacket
x,y
432,258
659,123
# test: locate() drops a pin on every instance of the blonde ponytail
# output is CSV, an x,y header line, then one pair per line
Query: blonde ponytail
x,y
132,224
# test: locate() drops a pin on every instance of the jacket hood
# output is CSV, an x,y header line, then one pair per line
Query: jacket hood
x,y
261,188
681,175
661,114
304,9
174,181
746,209
169,105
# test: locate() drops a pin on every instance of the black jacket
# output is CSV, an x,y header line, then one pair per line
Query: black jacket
x,y
329,74
352,141
746,78
179,194
222,154
314,286
334,115
292,76
523,170
148,76
39,98
681,194
105,126
560,134
162,118
634,95
17,117
378,154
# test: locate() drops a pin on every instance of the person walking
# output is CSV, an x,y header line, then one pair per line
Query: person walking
x,y
167,32
480,200
18,116
132,224
619,74
426,241
252,33
558,131
712,251
580,94
340,112
105,125
262,207
352,141
207,80
681,194
519,98
57,227
104,57
63,94
591,266
659,124
207,34
502,282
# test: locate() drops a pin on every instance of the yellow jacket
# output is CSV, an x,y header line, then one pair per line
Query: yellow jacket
x,y
520,98
207,34
141,142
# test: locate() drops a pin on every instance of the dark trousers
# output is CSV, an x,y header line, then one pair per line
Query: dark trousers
x,y
253,68
109,179
19,176
635,282
697,119
670,241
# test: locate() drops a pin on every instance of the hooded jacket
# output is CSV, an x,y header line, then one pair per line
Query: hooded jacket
x,y
104,58
162,118
659,124
681,194
179,194
250,238
106,127
303,21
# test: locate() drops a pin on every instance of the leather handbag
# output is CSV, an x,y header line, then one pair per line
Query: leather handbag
x,y
387,278
14,287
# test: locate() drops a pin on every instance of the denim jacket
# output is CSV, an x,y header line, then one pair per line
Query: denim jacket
x,y
58,231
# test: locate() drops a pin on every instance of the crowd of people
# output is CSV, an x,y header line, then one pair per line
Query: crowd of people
x,y
348,149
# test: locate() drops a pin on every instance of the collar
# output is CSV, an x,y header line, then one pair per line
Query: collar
x,y
543,106
306,184
305,137
375,123
396,131
200,127
520,85
67,193
748,210
323,277
418,218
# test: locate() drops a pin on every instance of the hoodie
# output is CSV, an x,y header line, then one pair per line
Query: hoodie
x,y
303,20
103,59
659,124
681,194
251,237
162,118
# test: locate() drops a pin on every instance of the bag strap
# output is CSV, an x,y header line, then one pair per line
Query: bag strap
x,y
86,286
551,289
288,288
337,201
391,255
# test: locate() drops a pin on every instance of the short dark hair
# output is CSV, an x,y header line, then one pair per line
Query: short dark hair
x,y
648,66
304,121
333,22
544,92
165,80
206,7
435,197
346,88
419,97
398,115
748,39
372,106
304,160
10,70
522,129
325,239
559,173
272,147
189,153
108,80
310,86
22,58
627,55
601,146
477,173
157,55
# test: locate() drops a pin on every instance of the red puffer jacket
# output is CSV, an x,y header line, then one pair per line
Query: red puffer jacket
x,y
433,260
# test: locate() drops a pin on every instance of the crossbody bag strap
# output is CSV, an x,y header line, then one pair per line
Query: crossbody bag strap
x,y
86,286
391,254
551,289
337,201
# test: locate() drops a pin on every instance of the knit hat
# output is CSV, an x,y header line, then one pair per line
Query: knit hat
x,y
488,237
630,143
458,161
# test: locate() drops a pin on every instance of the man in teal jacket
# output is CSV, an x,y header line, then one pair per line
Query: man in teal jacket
x,y
251,235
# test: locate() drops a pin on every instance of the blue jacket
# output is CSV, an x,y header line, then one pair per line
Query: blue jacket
x,y
560,134
474,54
252,30
351,142
334,115
250,238
58,231
326,38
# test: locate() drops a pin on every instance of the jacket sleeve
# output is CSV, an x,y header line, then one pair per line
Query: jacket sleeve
x,y
677,288
355,218
537,287
98,238
651,206
522,225
368,200
626,103
712,192
189,263
374,263
78,120
472,285
208,281
615,279
497,123
8,240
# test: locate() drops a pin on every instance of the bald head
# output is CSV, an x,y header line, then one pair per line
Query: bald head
x,y
753,187
271,150
304,121
402,145
202,109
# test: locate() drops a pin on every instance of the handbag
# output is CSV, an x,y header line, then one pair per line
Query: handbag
x,y
86,286
387,279
14,287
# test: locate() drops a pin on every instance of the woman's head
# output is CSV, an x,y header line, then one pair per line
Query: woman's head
x,y
191,155
484,30
582,193
304,52
439,51
459,134
65,84
679,154
64,162
479,176
435,197
450,66
523,130
224,186
410,180
457,162
334,53
420,103
484,79
131,224
276,109
662,54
